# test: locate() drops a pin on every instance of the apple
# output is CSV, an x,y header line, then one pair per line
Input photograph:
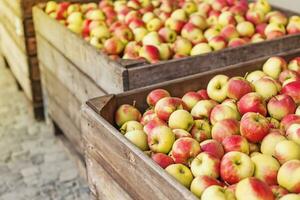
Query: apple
x,y
200,183
201,130
96,42
266,168
252,102
182,46
236,42
217,193
203,94
217,88
124,34
203,108
253,188
152,38
189,7
289,120
293,26
255,75
181,173
76,28
127,113
218,4
131,15
154,24
245,29
199,21
217,43
167,34
232,103
113,46
150,53
166,106
61,11
293,133
148,116
181,119
274,66
95,15
192,33
138,138
225,128
267,87
278,191
51,7
257,37
277,17
200,48
191,99
287,150
136,23
229,32
154,96
185,149
131,126
212,147
255,16
179,133
254,127
139,33
292,89
288,75
153,123
237,87
174,24
291,197
274,27
179,14
236,166
205,164
236,143
226,18
161,139
213,17
288,176
100,32
269,143
280,106
211,33
221,112
131,50
162,160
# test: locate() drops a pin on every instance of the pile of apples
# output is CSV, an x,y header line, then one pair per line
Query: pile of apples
x,y
165,29
237,139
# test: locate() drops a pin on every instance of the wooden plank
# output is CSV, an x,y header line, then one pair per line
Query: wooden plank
x,y
15,5
101,184
65,123
126,163
17,61
63,97
12,18
81,86
168,70
29,27
106,73
74,155
31,46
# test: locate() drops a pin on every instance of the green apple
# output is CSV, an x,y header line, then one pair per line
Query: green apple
x,y
138,138
181,173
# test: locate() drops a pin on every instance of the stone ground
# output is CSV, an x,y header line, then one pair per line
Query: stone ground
x,y
33,163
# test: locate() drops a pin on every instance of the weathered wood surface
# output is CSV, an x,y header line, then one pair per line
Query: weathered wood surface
x,y
124,161
101,184
136,173
116,77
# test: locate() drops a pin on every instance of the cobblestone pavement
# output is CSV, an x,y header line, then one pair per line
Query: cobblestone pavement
x,y
33,164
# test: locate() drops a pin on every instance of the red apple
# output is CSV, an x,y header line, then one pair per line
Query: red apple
x,y
294,64
278,191
225,128
201,130
205,164
280,106
289,120
166,106
252,102
237,87
191,99
185,149
203,94
155,95
212,147
153,123
200,183
288,75
148,116
127,113
180,133
292,89
254,127
221,112
162,160
236,143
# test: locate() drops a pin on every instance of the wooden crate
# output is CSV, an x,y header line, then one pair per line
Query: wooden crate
x,y
18,46
112,159
74,71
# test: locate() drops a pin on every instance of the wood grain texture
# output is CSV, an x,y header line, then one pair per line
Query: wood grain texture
x,y
100,135
101,184
126,163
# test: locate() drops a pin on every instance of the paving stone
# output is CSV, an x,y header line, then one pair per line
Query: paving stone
x,y
33,164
